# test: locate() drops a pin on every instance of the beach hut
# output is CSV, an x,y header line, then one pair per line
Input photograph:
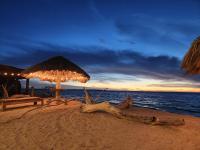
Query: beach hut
x,y
57,69
9,71
9,79
191,61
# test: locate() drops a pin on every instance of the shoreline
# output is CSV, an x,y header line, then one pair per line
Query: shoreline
x,y
171,102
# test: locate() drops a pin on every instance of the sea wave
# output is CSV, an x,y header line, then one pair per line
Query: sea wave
x,y
182,103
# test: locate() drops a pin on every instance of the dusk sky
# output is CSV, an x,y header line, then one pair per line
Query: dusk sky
x,y
122,44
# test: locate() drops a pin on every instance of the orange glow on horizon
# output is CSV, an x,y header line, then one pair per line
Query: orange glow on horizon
x,y
142,85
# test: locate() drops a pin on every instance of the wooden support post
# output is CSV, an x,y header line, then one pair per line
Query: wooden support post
x,y
58,89
42,102
27,86
58,86
3,106
32,93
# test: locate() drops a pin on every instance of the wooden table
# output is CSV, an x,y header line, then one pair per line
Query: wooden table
x,y
14,101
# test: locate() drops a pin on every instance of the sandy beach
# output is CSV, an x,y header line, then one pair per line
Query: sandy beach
x,y
64,127
100,75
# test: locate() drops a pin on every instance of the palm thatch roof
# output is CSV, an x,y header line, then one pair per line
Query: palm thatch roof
x,y
54,68
191,61
10,71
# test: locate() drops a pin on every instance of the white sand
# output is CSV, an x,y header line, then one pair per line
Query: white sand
x,y
65,128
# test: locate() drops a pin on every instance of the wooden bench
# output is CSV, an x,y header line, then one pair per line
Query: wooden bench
x,y
14,101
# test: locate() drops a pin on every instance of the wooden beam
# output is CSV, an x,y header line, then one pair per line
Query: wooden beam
x,y
27,86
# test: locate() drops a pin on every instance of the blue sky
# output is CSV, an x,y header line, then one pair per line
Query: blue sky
x,y
132,44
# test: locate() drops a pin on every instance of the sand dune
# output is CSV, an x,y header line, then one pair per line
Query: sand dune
x,y
65,128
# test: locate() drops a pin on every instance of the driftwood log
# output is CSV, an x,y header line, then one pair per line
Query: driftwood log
x,y
90,107
169,122
104,106
107,107
88,97
127,103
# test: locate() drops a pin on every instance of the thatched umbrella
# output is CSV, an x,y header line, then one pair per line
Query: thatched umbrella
x,y
57,69
191,61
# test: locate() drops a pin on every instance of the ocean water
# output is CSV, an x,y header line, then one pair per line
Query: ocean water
x,y
182,103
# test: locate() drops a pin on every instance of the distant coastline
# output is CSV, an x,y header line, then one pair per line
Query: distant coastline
x,y
115,90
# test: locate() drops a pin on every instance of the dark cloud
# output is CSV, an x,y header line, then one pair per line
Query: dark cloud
x,y
171,35
98,60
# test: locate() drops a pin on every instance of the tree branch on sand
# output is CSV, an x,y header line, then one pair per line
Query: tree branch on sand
x,y
5,91
127,103
118,112
88,97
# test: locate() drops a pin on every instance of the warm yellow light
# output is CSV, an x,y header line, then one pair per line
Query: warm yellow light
x,y
52,76
12,74
5,73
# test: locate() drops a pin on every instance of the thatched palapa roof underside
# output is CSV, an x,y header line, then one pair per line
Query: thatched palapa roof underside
x,y
191,61
9,71
57,68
